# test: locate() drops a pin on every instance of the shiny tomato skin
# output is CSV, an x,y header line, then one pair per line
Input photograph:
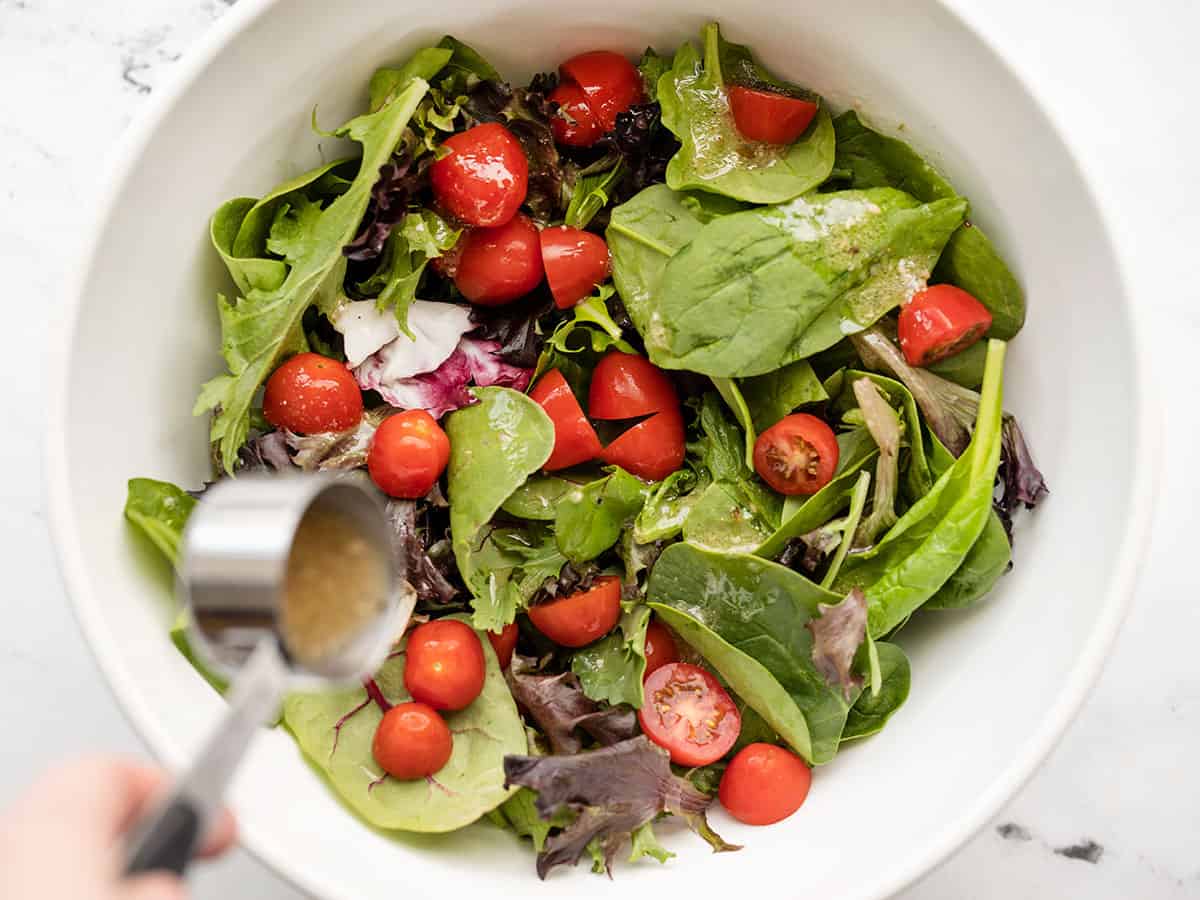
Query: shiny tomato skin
x,y
575,439
610,82
483,178
689,714
625,386
311,393
660,648
573,124
580,618
764,784
575,261
769,117
444,665
940,321
797,455
652,449
412,741
504,642
498,265
408,454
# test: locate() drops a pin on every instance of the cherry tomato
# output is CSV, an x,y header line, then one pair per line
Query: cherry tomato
x,y
443,664
625,386
940,321
412,741
311,393
769,117
764,784
573,124
688,713
498,265
575,439
610,82
652,449
575,261
408,454
579,619
504,642
660,647
796,455
483,179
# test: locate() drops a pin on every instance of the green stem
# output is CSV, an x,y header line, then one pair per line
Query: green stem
x,y
858,500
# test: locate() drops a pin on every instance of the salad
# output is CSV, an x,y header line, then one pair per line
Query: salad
x,y
685,395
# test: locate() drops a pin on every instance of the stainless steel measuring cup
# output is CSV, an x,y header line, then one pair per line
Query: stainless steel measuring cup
x,y
236,551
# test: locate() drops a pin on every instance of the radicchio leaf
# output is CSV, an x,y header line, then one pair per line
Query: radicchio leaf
x,y
373,336
436,581
560,708
613,791
837,634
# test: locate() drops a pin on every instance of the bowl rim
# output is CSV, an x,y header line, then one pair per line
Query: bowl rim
x,y
932,851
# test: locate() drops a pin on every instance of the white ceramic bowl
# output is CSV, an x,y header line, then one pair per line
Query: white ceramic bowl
x,y
992,687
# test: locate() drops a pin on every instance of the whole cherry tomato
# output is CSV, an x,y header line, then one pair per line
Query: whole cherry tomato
x,y
408,454
311,393
483,177
412,741
497,265
764,784
444,665
766,116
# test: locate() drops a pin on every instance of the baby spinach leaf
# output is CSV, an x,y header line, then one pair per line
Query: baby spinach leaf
x,y
970,260
988,559
733,516
858,499
756,290
873,709
732,395
335,729
965,367
590,518
612,669
538,497
160,511
264,324
714,156
774,395
494,446
669,505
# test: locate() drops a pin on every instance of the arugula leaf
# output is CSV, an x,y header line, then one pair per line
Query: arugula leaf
x,y
774,395
590,518
160,510
613,668
714,156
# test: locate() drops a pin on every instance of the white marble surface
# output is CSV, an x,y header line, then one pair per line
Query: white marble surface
x,y
1124,81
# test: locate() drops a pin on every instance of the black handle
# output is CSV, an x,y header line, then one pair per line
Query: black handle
x,y
169,841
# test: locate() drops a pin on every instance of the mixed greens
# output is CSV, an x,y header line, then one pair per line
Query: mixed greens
x,y
778,466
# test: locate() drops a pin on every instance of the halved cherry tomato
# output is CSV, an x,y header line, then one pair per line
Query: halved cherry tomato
x,y
796,455
311,393
660,647
504,642
408,454
579,619
575,439
769,117
764,784
688,713
443,664
940,321
498,265
652,449
610,82
574,124
412,741
575,261
483,178
625,386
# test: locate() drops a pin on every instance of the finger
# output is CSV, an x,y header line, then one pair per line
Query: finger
x,y
152,886
104,792
221,835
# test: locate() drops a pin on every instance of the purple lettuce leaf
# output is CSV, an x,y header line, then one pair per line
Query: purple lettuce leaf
x,y
557,704
431,573
837,634
517,327
391,195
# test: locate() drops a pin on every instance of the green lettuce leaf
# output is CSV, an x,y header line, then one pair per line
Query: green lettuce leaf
x,y
160,511
612,669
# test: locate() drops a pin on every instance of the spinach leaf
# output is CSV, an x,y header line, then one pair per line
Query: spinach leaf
x,y
732,395
612,669
590,518
858,500
965,367
160,510
970,260
988,559
714,156
670,503
756,290
264,324
873,709
335,729
538,497
494,446
747,617
772,396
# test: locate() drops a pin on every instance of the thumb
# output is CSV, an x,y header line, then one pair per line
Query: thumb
x,y
152,886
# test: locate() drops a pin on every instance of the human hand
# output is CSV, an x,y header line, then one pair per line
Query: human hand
x,y
64,838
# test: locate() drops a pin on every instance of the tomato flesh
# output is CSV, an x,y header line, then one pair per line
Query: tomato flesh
x,y
498,265
504,642
483,178
408,454
796,455
625,386
443,664
575,261
940,321
573,124
609,81
311,393
652,449
764,784
575,439
689,714
769,117
580,618
412,741
660,648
